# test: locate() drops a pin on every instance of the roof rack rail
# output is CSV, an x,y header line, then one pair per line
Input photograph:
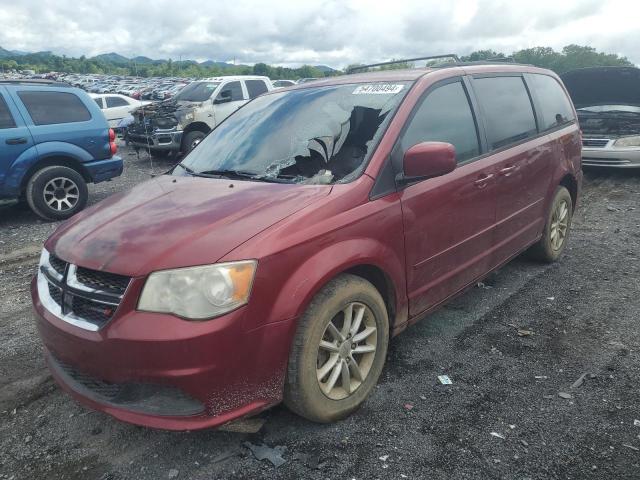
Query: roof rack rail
x,y
34,81
358,68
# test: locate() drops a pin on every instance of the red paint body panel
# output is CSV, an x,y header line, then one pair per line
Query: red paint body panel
x,y
430,239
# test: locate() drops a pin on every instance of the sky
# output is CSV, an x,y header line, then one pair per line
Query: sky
x,y
330,32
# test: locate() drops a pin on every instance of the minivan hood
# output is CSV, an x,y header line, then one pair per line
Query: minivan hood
x,y
603,86
172,222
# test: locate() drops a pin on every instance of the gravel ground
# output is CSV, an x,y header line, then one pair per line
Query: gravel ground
x,y
510,346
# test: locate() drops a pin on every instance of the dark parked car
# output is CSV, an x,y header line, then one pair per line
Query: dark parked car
x,y
277,260
54,141
608,103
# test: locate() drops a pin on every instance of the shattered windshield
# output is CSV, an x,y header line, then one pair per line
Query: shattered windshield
x,y
196,92
319,135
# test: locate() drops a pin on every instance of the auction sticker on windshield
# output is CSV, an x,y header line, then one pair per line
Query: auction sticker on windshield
x,y
379,88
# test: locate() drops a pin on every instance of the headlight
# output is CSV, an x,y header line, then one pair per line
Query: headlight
x,y
199,293
628,141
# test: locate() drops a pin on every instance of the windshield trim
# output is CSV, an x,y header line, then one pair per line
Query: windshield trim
x,y
356,174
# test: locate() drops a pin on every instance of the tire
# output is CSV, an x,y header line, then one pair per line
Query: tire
x,y
46,188
312,398
191,140
548,250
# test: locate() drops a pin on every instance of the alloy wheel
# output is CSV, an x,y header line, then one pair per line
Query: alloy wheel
x,y
61,194
346,351
559,225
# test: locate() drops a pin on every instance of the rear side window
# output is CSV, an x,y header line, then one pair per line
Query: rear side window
x,y
507,109
236,91
255,87
445,116
99,102
116,102
47,108
6,120
556,107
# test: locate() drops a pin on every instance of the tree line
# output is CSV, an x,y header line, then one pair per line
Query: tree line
x,y
569,58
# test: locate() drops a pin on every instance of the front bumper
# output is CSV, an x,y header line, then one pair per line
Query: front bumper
x,y
611,157
160,371
159,140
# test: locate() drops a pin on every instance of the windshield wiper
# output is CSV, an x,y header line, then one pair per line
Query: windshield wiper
x,y
241,175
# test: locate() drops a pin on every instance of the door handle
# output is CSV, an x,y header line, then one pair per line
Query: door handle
x,y
506,171
15,141
483,180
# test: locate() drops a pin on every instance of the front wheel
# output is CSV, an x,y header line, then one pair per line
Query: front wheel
x,y
339,350
56,193
191,140
556,229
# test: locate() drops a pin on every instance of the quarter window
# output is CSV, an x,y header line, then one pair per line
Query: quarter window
x,y
507,109
99,102
47,108
116,102
235,89
6,120
556,107
445,116
255,87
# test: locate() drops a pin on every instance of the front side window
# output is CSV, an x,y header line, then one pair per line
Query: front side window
x,y
48,108
232,90
507,109
116,102
445,116
255,87
321,135
6,119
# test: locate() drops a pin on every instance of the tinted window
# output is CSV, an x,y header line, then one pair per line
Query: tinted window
x,y
445,116
236,91
255,87
555,106
98,102
47,108
507,109
6,120
116,102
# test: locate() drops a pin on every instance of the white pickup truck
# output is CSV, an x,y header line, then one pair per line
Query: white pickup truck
x,y
180,123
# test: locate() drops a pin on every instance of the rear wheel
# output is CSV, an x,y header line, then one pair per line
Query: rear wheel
x,y
191,140
339,350
56,193
556,229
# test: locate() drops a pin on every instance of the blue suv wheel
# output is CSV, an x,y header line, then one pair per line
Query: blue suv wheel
x,y
56,193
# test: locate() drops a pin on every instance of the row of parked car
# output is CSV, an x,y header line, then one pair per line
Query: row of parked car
x,y
55,139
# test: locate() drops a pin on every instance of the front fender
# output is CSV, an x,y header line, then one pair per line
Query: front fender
x,y
317,270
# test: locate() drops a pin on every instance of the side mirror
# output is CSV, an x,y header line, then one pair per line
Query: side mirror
x,y
428,160
223,97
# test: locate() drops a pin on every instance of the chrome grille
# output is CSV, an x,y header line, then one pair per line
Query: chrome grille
x,y
595,142
80,296
102,280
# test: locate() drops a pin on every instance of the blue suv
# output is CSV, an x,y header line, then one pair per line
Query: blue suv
x,y
53,141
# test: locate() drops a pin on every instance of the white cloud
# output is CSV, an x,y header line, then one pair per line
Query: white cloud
x,y
332,32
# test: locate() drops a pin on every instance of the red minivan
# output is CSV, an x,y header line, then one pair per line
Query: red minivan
x,y
279,257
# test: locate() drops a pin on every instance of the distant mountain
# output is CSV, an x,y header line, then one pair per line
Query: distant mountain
x,y
145,60
212,63
5,53
324,68
112,57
